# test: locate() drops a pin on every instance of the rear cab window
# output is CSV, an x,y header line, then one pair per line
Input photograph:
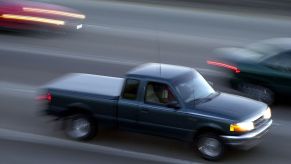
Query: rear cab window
x,y
130,91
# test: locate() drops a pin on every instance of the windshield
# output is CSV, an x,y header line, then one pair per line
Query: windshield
x,y
193,87
266,49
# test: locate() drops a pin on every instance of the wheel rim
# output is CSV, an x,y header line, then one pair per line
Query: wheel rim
x,y
80,127
210,147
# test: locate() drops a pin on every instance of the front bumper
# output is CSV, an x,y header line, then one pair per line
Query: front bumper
x,y
248,140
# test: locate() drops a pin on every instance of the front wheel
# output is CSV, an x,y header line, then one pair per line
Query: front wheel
x,y
80,127
210,146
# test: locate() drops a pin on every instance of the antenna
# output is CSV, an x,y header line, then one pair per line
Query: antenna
x,y
159,50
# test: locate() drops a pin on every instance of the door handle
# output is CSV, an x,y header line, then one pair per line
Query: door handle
x,y
145,111
192,119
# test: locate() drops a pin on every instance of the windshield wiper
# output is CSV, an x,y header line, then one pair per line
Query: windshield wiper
x,y
213,95
207,98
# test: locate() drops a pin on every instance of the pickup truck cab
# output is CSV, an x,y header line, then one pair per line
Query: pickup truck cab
x,y
158,99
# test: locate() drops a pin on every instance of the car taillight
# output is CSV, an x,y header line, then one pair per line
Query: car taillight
x,y
220,64
47,97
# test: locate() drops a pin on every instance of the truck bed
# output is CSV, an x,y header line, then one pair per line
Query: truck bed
x,y
109,87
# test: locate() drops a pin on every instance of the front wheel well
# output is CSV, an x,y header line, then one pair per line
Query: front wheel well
x,y
205,130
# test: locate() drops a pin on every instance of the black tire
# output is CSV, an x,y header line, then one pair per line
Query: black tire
x,y
210,146
80,127
256,92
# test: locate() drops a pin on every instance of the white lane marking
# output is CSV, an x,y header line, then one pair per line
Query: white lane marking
x,y
15,87
21,90
52,141
276,123
177,10
282,123
100,26
70,55
161,35
280,128
94,58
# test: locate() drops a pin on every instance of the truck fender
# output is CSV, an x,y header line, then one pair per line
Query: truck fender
x,y
78,108
207,127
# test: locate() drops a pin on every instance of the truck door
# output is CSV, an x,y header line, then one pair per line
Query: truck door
x,y
156,114
128,104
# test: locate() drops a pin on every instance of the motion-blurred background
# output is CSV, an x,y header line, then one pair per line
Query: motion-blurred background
x,y
42,41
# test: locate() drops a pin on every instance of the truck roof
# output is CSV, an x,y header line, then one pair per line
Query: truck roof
x,y
159,71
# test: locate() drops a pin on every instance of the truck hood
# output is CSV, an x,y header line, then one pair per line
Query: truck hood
x,y
231,107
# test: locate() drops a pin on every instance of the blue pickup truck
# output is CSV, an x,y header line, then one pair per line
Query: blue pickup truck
x,y
158,99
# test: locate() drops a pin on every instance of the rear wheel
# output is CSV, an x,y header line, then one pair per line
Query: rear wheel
x,y
210,146
80,127
256,92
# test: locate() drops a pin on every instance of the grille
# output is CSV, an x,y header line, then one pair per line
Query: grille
x,y
260,121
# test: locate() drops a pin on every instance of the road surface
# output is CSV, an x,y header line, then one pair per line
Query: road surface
x,y
116,37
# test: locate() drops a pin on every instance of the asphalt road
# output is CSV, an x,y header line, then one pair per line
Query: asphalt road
x,y
13,152
115,38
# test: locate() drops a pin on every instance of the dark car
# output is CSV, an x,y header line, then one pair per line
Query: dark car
x,y
262,70
30,15
159,99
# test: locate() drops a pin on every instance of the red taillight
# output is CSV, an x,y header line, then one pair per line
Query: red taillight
x,y
219,64
48,97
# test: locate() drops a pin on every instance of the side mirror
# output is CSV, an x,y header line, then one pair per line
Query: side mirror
x,y
173,104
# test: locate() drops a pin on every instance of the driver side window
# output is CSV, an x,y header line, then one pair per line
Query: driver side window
x,y
158,93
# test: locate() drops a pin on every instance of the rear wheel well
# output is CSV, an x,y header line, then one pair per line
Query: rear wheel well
x,y
72,110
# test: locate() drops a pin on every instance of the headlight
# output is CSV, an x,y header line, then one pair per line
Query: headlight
x,y
267,114
242,127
